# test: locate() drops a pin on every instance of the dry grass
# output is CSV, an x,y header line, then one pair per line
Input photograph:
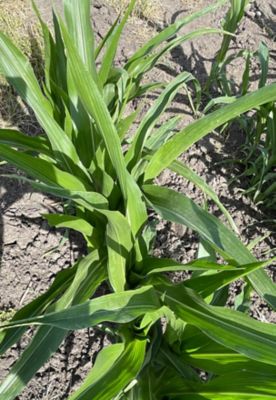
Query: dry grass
x,y
19,23
149,9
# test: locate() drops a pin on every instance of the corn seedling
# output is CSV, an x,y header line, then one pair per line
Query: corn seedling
x,y
258,152
230,25
260,147
88,158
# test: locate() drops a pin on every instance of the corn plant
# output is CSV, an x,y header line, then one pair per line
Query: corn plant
x,y
91,156
230,25
260,144
256,156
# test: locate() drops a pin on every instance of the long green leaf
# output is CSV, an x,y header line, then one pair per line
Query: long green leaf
x,y
95,105
69,221
168,33
215,358
154,266
235,386
120,307
149,62
90,273
189,174
37,306
150,119
38,144
85,198
198,129
77,14
112,45
17,70
178,208
232,329
105,361
119,243
41,169
162,134
205,285
115,368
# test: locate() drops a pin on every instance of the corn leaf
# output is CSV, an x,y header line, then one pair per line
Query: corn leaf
x,y
190,175
149,62
231,329
77,15
168,33
90,273
154,266
121,307
178,208
151,117
106,37
195,131
162,134
41,169
38,144
215,358
263,54
235,386
17,70
60,284
114,369
105,361
94,103
119,244
69,221
205,285
112,45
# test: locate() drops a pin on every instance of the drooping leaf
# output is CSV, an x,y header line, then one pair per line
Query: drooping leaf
x,y
230,328
38,144
90,273
168,33
69,221
37,306
178,208
205,285
198,129
189,174
120,307
42,170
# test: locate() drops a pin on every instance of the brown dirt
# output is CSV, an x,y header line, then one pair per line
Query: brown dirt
x,y
32,253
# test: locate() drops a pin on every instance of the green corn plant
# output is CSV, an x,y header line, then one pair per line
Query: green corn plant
x,y
230,24
91,156
259,148
256,155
